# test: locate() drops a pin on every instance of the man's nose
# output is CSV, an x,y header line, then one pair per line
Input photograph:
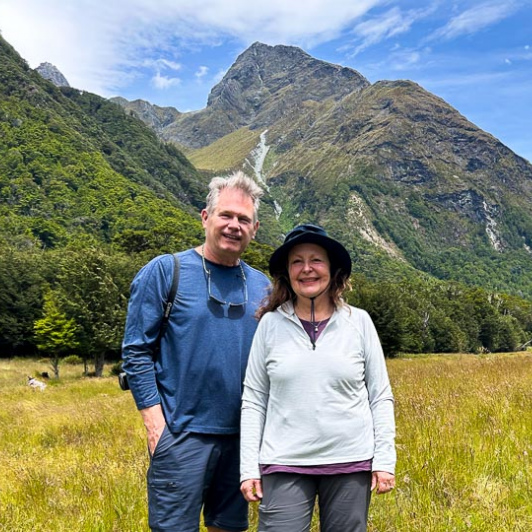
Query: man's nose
x,y
234,222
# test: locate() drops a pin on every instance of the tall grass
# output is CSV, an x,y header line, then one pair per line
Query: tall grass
x,y
73,458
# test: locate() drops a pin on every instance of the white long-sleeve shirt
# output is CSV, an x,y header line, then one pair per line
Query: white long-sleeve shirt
x,y
330,405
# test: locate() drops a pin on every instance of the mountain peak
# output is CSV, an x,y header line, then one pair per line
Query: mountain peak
x,y
266,80
53,74
259,49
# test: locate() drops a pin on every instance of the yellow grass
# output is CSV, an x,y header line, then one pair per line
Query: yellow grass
x,y
73,458
226,153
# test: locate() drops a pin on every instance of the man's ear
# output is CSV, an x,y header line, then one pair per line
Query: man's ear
x,y
255,228
204,216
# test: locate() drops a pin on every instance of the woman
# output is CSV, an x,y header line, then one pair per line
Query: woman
x,y
317,411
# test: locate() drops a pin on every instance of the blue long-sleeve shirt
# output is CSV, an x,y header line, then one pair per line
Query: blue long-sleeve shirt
x,y
197,375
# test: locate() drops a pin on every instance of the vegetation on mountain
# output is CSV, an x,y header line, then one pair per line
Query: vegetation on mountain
x,y
89,193
225,153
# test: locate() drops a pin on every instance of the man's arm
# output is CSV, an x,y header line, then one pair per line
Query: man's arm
x,y
154,422
143,322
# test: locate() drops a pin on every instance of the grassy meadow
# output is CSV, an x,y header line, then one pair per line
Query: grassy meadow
x,y
73,457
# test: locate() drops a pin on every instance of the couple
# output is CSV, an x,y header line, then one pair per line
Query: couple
x,y
317,409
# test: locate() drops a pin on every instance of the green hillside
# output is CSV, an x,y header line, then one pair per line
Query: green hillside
x,y
89,193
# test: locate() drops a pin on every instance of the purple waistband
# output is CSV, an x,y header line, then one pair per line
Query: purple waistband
x,y
326,469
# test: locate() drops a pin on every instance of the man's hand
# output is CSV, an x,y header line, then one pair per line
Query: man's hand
x,y
383,481
251,489
154,422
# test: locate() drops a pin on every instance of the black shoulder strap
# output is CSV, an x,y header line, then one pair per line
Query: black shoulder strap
x,y
169,303
122,376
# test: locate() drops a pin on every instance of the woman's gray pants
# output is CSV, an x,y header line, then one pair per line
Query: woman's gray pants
x,y
289,499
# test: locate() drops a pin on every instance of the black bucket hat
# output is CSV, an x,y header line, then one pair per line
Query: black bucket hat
x,y
310,234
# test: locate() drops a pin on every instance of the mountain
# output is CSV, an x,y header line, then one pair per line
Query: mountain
x,y
74,165
264,85
391,169
52,73
154,116
89,193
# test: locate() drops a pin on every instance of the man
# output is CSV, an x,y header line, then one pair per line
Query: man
x,y
189,396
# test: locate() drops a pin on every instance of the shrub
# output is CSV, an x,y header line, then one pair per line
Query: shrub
x,y
116,368
72,360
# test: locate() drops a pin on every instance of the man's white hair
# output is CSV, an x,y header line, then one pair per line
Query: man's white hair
x,y
238,181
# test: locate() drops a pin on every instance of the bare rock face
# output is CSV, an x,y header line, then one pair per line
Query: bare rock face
x,y
154,116
264,80
52,73
264,84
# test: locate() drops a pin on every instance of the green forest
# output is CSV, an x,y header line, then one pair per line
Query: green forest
x,y
88,194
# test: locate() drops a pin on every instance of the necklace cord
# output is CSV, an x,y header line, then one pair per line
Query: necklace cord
x,y
313,322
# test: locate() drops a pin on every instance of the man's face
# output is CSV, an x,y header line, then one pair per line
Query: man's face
x,y
229,228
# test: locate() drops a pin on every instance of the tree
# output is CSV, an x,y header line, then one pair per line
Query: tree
x,y
385,309
22,276
92,288
54,332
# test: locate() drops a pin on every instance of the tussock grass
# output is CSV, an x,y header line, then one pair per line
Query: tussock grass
x,y
225,153
73,458
464,445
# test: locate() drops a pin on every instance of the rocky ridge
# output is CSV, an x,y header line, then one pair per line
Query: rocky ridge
x,y
53,74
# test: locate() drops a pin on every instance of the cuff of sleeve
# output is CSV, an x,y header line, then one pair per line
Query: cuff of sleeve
x,y
389,468
249,475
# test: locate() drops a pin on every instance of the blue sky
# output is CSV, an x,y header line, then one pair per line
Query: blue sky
x,y
475,54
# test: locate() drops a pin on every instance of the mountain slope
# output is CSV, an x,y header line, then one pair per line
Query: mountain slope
x,y
389,167
74,164
265,84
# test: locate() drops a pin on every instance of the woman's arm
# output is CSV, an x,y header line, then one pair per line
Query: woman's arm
x,y
380,399
254,406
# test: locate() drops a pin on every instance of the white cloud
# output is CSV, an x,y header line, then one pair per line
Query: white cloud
x,y
161,64
475,19
164,82
389,24
406,60
172,65
201,72
101,45
272,21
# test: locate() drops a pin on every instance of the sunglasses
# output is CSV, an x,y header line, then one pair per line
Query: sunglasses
x,y
217,299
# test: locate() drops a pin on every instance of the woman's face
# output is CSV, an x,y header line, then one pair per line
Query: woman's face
x,y
309,270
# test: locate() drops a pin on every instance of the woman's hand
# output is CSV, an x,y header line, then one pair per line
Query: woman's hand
x,y
383,481
251,489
